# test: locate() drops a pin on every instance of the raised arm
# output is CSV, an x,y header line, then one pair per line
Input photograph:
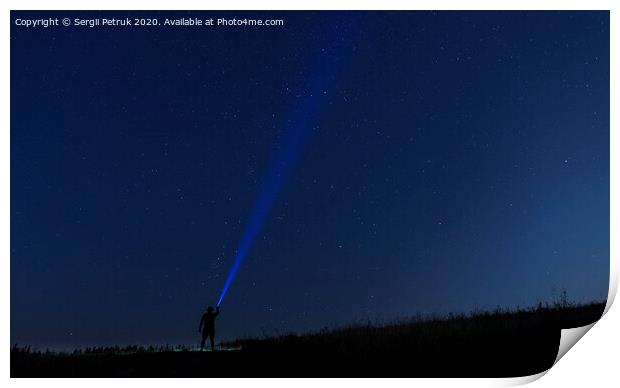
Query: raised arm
x,y
217,311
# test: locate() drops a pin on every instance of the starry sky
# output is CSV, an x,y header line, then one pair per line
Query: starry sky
x,y
444,162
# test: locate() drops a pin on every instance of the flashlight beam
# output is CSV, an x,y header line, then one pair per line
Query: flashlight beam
x,y
311,96
287,154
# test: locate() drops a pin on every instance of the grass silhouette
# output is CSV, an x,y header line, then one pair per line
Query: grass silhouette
x,y
500,343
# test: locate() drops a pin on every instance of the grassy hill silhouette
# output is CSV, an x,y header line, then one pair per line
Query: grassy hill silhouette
x,y
496,343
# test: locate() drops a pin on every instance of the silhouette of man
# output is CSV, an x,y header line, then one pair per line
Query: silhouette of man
x,y
207,327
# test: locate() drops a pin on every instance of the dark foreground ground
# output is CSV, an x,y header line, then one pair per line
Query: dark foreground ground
x,y
498,344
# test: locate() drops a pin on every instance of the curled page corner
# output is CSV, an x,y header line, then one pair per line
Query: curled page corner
x,y
523,380
569,338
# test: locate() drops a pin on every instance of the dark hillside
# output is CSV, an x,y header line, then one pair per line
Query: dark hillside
x,y
486,344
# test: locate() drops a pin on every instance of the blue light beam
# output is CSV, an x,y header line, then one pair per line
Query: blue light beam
x,y
309,101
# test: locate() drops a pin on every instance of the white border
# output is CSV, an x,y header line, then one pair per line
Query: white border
x,y
592,364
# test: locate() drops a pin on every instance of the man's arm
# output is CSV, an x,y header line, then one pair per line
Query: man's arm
x,y
201,322
217,311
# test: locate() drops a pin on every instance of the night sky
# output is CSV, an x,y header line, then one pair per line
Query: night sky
x,y
414,163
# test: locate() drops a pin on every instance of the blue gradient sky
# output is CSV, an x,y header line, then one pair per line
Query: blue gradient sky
x,y
451,161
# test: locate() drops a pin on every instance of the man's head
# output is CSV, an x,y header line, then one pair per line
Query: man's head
x,y
210,309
